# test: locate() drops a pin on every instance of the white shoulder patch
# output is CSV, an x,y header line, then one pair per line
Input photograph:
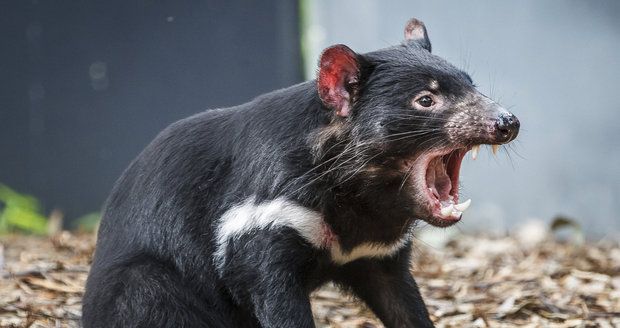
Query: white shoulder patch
x,y
250,216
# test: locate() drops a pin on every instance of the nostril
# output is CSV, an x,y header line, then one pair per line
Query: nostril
x,y
507,127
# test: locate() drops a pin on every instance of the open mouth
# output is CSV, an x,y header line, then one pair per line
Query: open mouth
x,y
436,180
442,185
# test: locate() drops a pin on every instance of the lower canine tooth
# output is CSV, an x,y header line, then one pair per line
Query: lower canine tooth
x,y
474,152
445,211
495,148
463,206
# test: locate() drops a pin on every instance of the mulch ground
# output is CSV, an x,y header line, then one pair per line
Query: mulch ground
x,y
474,281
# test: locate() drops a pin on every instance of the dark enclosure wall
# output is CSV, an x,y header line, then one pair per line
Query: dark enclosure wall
x,y
85,85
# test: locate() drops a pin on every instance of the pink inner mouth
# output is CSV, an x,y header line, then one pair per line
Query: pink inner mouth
x,y
436,178
442,178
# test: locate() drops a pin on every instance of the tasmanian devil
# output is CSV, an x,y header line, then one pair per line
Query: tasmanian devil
x,y
231,217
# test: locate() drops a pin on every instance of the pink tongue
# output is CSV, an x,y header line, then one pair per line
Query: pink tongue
x,y
438,180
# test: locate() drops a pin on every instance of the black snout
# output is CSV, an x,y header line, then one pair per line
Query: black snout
x,y
507,127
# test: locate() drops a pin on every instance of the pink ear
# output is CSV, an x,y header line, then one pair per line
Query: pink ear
x,y
338,75
415,31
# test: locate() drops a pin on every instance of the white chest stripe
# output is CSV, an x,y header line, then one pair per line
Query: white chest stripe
x,y
367,250
249,216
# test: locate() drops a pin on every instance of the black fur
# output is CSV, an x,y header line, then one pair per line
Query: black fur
x,y
154,266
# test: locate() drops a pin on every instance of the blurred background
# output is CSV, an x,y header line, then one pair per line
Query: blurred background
x,y
86,85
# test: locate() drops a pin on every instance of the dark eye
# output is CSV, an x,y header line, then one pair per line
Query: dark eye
x,y
425,101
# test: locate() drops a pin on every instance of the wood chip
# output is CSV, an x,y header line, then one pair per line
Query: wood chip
x,y
475,281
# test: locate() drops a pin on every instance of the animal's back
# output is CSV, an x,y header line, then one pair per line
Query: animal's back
x,y
200,165
157,222
140,243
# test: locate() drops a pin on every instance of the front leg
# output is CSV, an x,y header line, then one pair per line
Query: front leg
x,y
265,272
388,288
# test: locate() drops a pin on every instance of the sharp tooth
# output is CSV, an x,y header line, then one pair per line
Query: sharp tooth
x,y
446,211
495,148
463,206
474,152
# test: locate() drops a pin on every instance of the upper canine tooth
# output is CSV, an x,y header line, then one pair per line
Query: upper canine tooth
x,y
495,148
463,206
445,211
474,152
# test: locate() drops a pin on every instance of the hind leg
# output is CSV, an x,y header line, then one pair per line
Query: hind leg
x,y
146,293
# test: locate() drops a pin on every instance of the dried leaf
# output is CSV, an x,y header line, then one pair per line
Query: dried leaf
x,y
475,281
